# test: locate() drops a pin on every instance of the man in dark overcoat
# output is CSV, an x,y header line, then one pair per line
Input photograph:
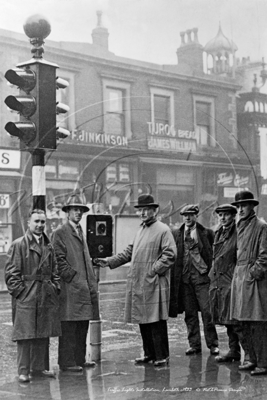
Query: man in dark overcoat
x,y
190,287
151,254
221,273
78,298
32,280
249,284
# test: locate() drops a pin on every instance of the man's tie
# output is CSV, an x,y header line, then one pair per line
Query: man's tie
x,y
79,230
188,234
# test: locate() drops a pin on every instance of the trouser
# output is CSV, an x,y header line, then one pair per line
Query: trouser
x,y
31,355
72,343
236,336
233,340
195,297
155,339
256,332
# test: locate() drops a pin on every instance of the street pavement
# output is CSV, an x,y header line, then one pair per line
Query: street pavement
x,y
117,377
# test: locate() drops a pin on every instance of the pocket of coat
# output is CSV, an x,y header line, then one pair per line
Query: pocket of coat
x,y
249,278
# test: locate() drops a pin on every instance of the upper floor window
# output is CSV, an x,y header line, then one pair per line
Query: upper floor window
x,y
115,121
162,108
204,117
116,105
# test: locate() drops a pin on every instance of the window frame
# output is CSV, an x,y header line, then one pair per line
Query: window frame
x,y
154,91
211,101
126,88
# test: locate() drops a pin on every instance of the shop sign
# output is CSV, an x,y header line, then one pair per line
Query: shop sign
x,y
158,129
165,137
85,137
170,144
10,159
4,200
226,179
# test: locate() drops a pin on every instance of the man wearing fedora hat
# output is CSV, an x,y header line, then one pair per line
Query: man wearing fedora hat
x,y
78,299
249,284
151,254
190,287
221,273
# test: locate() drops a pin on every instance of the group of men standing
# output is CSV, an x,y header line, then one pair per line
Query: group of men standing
x,y
190,269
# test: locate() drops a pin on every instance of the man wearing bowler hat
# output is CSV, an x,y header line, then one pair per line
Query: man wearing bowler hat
x,y
78,298
249,284
190,288
221,273
151,254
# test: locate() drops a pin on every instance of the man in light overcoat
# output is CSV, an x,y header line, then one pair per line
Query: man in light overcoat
x,y
151,254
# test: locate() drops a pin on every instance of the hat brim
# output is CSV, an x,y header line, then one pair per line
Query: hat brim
x,y
226,210
255,202
66,207
188,212
146,205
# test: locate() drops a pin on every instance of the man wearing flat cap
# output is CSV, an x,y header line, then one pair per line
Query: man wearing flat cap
x,y
221,273
151,254
249,284
190,288
78,298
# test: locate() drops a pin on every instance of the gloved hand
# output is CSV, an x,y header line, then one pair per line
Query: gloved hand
x,y
100,262
257,273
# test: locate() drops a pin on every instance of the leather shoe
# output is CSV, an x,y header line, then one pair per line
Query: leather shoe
x,y
228,358
247,367
89,364
24,378
259,371
44,373
161,363
74,368
143,360
214,350
192,350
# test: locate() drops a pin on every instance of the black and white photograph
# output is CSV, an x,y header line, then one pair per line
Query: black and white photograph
x,y
133,199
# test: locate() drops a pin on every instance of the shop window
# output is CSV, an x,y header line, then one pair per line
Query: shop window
x,y
171,198
204,121
5,225
68,169
162,108
51,169
118,173
116,104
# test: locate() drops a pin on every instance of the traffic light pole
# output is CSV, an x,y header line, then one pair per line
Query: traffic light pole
x,y
38,180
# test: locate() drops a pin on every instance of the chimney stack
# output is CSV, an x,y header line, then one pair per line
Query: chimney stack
x,y
190,51
100,33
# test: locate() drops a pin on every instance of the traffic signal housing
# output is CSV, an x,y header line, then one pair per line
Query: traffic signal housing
x,y
36,105
99,235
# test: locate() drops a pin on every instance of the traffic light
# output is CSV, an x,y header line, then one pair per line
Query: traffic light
x,y
62,132
99,235
36,105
